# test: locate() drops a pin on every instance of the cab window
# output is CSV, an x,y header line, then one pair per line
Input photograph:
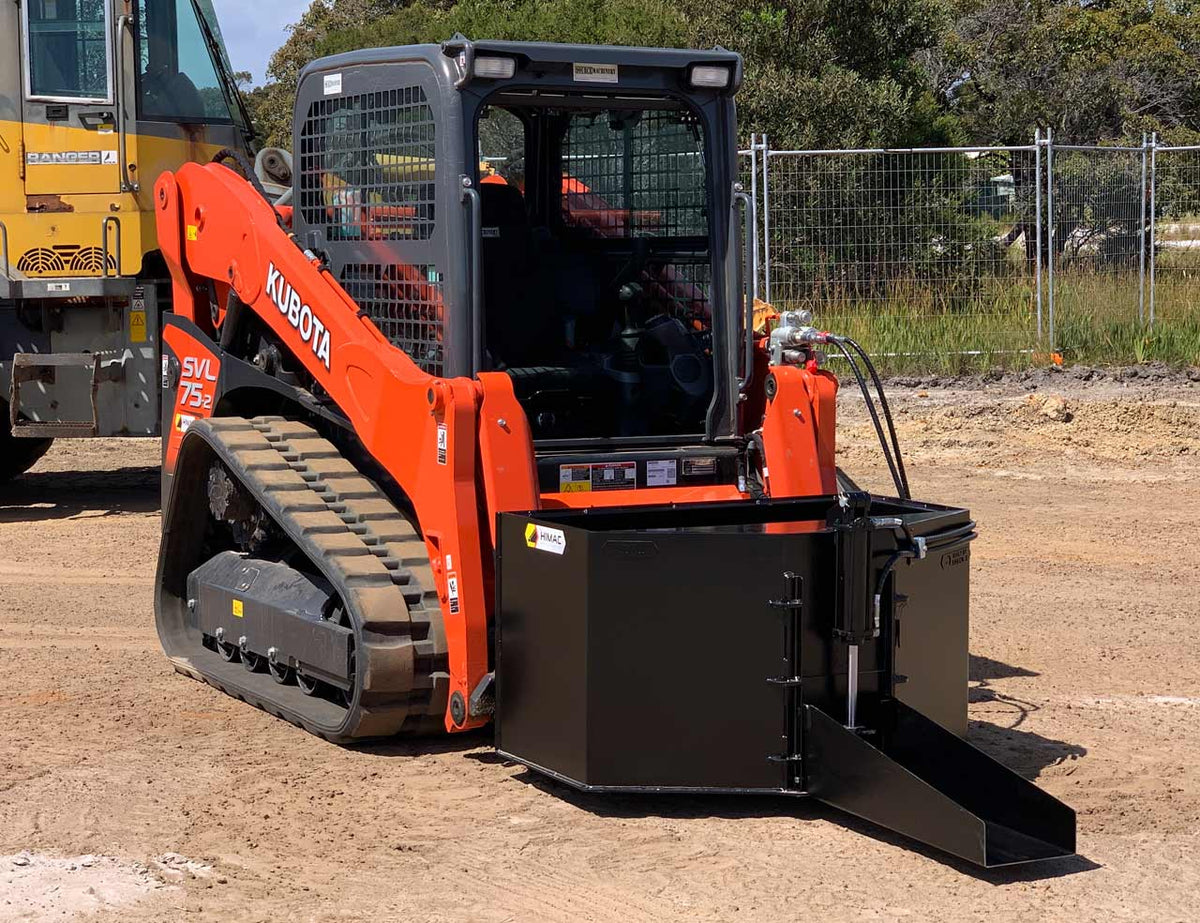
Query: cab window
x,y
67,50
177,80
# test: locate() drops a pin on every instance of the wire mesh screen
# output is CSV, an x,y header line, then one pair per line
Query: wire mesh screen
x,y
1099,223
367,166
635,174
914,251
405,303
1177,231
683,289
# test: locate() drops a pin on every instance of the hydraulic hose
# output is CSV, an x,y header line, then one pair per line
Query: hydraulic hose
x,y
887,412
901,486
229,153
920,547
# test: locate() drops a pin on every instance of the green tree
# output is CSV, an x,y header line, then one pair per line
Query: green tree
x,y
818,72
1105,70
830,73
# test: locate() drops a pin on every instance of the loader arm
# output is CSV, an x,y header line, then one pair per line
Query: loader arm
x,y
214,227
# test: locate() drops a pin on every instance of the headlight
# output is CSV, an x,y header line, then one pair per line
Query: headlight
x,y
495,68
711,75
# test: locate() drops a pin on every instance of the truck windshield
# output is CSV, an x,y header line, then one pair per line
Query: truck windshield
x,y
178,81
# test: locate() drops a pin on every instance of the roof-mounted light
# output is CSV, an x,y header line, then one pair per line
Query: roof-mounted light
x,y
494,68
712,76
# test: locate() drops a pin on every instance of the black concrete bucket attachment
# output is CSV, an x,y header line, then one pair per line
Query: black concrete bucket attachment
x,y
916,778
726,647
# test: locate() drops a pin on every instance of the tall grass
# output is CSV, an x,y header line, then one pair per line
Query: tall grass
x,y
915,328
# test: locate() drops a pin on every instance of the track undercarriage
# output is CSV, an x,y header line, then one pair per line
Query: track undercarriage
x,y
291,581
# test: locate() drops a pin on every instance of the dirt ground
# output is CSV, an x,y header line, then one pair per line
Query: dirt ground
x,y
129,793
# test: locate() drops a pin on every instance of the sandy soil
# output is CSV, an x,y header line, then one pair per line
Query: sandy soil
x,y
1084,676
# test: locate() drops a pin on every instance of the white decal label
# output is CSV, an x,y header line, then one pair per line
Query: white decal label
x,y
544,538
58,286
452,592
300,315
72,158
333,84
443,443
661,473
595,73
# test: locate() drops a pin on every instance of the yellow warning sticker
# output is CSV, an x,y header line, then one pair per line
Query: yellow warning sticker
x,y
137,326
191,232
573,479
238,612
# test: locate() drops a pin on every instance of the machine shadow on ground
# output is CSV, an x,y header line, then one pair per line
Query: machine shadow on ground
x,y
1000,734
802,810
47,495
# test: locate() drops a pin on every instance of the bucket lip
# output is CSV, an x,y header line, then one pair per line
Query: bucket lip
x,y
743,516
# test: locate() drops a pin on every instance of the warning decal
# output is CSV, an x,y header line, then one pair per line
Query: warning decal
x,y
661,473
238,610
600,476
544,538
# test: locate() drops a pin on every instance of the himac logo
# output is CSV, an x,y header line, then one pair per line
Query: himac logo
x,y
544,539
306,323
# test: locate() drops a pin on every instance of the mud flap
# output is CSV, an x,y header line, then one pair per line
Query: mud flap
x,y
918,779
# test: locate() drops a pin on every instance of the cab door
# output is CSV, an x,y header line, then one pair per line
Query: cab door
x,y
69,101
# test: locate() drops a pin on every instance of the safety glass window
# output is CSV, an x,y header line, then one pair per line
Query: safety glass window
x,y
68,49
635,173
501,148
177,80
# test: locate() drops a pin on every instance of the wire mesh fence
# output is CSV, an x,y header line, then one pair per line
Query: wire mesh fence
x,y
935,245
1175,266
985,252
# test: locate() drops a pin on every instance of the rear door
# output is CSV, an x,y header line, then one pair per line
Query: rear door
x,y
68,104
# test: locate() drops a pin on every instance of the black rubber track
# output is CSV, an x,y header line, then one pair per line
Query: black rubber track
x,y
353,535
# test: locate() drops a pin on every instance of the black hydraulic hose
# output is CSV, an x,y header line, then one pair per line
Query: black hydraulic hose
x,y
901,489
932,542
229,153
887,412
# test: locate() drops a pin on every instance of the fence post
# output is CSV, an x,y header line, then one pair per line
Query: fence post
x,y
766,177
1153,181
1037,222
1050,228
1142,239
754,214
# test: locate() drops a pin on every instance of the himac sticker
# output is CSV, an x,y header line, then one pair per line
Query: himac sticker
x,y
544,538
443,443
452,592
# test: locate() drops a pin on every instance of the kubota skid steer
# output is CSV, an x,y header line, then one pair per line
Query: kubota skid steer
x,y
482,431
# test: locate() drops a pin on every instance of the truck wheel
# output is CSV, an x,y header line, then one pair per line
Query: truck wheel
x,y
17,455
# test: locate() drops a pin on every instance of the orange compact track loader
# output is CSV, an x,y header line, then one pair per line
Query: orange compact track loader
x,y
444,451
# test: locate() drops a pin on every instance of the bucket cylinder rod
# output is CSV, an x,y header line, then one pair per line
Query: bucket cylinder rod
x,y
854,614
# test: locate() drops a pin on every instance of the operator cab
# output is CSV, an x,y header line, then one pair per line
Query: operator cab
x,y
596,263
562,214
